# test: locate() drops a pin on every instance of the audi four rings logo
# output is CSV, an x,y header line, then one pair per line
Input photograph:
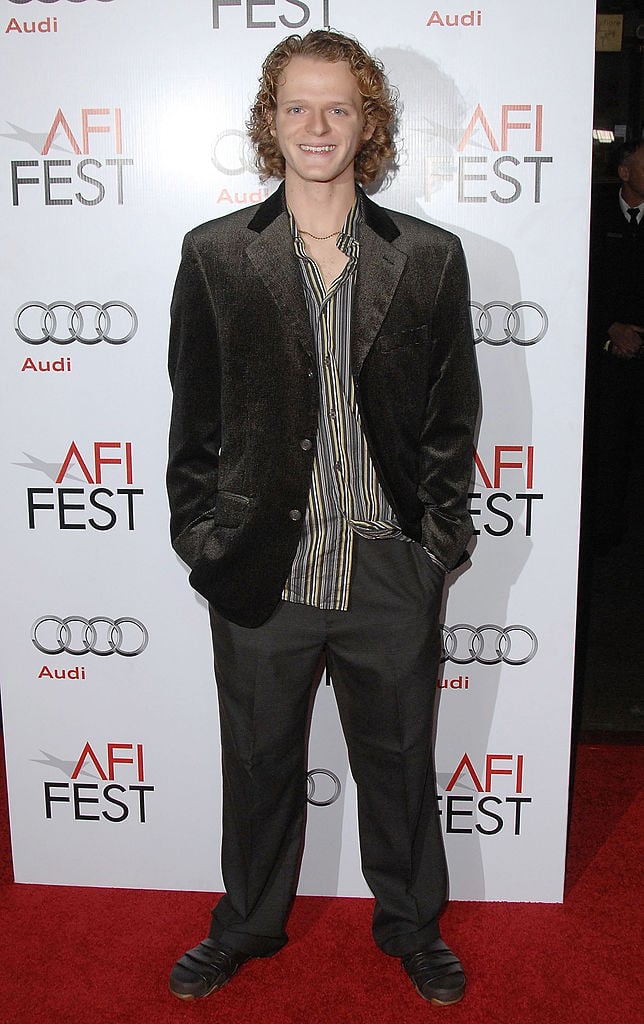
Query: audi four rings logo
x,y
324,791
497,323
488,644
98,635
87,322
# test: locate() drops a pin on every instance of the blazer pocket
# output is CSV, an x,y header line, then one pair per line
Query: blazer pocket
x,y
229,509
404,339
200,535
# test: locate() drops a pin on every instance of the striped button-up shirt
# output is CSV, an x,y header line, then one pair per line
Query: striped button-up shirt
x,y
346,496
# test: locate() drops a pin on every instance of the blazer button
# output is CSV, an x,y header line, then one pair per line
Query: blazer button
x,y
295,514
306,444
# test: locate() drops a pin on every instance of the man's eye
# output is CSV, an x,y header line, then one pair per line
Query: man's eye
x,y
339,110
295,110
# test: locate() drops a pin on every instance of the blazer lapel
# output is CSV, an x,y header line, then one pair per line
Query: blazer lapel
x,y
273,257
380,267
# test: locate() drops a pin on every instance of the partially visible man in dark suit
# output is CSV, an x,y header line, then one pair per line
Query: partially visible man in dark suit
x,y
616,359
325,396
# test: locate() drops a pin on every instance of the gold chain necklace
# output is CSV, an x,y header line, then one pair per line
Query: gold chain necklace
x,y
320,238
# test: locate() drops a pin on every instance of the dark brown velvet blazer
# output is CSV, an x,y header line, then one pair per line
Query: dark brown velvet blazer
x,y
245,408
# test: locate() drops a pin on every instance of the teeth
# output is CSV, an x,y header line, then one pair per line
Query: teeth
x,y
317,149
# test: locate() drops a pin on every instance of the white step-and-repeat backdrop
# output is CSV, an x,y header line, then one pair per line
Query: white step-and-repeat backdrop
x,y
122,125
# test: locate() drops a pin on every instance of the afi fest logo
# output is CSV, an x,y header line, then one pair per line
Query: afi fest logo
x,y
292,14
97,507
506,473
106,799
481,809
35,27
67,180
515,132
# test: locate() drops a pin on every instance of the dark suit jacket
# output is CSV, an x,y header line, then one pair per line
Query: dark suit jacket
x,y
616,289
245,404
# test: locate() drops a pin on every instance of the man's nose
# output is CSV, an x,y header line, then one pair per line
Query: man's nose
x,y
318,123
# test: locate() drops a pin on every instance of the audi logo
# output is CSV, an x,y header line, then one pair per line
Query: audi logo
x,y
497,323
331,791
87,322
98,635
488,644
233,152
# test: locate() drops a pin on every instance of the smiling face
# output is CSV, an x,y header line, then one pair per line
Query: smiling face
x,y
318,121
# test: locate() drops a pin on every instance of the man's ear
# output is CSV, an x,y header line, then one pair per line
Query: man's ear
x,y
623,172
368,131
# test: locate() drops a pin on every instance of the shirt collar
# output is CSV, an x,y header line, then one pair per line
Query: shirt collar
x,y
348,236
625,208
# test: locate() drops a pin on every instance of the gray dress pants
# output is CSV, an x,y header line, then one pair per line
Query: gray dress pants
x,y
383,658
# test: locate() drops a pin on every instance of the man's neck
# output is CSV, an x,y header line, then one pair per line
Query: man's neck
x,y
631,197
320,207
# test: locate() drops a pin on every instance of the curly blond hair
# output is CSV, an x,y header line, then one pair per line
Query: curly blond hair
x,y
379,107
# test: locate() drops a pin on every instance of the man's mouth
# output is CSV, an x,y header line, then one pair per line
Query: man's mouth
x,y
317,149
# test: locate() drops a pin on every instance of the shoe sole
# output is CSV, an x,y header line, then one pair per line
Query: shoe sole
x,y
443,1002
435,1001
189,997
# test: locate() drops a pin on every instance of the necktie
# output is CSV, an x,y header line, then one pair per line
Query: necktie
x,y
633,213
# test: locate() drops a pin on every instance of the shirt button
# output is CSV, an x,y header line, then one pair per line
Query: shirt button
x,y
331,414
338,466
295,515
310,374
327,361
306,444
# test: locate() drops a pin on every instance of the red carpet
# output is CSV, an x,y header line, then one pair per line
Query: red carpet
x,y
102,956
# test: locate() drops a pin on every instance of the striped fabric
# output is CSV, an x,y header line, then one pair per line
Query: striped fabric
x,y
345,494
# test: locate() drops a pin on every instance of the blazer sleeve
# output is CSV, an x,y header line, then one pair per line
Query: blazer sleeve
x,y
446,444
195,424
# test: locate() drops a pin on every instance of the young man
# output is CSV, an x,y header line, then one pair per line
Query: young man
x,y
320,455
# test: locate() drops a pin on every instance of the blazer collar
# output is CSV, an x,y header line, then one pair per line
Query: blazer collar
x,y
377,218
380,268
269,210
